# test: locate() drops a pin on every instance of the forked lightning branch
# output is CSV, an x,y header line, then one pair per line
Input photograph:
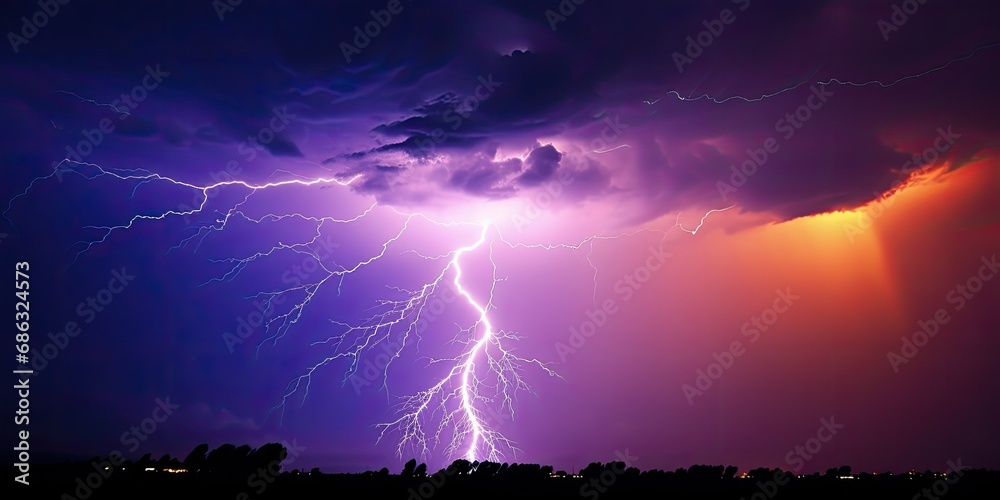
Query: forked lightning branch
x,y
480,383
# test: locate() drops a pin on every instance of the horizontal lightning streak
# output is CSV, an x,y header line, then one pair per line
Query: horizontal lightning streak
x,y
910,77
98,104
831,81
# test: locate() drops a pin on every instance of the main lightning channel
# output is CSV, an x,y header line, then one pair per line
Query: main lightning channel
x,y
477,392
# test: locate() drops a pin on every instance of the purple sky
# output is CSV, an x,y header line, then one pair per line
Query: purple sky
x,y
690,175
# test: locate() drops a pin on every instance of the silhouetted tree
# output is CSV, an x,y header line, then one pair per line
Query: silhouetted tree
x,y
486,469
194,460
421,470
489,479
615,467
243,459
221,461
145,461
594,469
760,473
632,473
730,472
267,454
229,462
461,466
705,473
409,467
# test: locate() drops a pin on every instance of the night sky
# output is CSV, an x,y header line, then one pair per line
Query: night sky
x,y
532,231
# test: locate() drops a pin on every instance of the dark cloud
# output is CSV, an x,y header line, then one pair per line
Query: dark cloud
x,y
453,105
485,177
421,98
540,165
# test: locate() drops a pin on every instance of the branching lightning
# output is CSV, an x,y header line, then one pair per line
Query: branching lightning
x,y
464,407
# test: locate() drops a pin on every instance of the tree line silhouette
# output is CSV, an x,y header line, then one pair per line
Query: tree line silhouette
x,y
246,473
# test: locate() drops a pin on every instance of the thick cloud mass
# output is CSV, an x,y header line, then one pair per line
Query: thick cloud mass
x,y
487,98
532,125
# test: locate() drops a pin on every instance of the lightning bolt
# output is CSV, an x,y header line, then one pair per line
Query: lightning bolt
x,y
481,380
910,77
788,88
831,81
95,103
700,222
602,151
465,396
